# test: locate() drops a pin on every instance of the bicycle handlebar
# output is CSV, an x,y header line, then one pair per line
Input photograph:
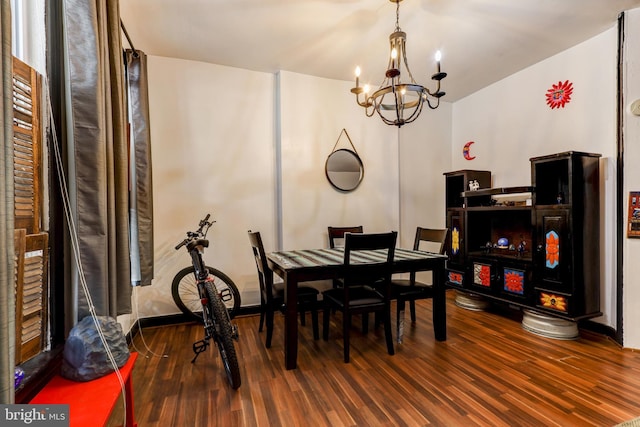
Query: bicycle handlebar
x,y
201,232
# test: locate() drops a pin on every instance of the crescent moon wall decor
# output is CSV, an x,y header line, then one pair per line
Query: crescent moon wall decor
x,y
466,151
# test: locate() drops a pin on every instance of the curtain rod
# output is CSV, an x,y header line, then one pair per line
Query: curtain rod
x,y
126,34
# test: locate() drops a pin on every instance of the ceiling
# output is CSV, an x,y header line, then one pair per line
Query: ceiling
x,y
482,41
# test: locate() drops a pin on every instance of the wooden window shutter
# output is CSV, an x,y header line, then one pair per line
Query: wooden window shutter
x,y
31,245
27,147
31,255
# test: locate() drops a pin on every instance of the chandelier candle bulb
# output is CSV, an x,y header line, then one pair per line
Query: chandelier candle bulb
x,y
438,58
357,76
394,55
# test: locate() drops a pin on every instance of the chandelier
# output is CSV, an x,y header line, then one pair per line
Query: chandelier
x,y
398,103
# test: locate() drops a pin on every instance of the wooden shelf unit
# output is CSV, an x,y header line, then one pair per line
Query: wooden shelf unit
x,y
550,262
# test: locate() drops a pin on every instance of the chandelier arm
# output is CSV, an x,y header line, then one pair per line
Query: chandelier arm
x,y
371,101
416,112
433,107
380,106
434,92
363,103
398,102
401,122
406,64
384,119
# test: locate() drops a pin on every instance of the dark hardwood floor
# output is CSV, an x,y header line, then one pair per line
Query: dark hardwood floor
x,y
489,372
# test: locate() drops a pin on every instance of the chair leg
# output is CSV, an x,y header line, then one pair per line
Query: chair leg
x,y
365,323
314,321
261,319
412,307
303,316
400,319
387,330
377,320
269,319
325,323
346,328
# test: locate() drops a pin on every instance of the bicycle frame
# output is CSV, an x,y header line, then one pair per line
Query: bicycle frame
x,y
196,249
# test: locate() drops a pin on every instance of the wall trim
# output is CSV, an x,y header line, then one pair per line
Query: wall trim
x,y
174,319
620,212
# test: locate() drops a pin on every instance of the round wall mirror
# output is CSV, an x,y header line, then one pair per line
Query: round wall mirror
x,y
344,169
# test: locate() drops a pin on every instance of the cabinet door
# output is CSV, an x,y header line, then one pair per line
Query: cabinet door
x,y
553,255
455,250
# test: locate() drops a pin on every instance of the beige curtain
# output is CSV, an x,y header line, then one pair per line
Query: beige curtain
x,y
97,156
7,299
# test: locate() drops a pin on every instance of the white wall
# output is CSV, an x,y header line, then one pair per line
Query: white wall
x,y
213,151
631,247
425,155
313,113
250,148
510,122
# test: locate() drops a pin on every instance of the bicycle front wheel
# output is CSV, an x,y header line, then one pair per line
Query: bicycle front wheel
x,y
222,333
184,291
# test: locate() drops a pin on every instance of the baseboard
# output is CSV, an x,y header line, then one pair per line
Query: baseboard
x,y
175,319
506,310
599,328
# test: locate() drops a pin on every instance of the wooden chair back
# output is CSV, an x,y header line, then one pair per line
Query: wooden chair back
x,y
379,272
431,235
265,275
337,234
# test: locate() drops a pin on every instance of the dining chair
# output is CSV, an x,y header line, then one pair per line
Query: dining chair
x,y
410,290
358,295
336,234
272,293
336,239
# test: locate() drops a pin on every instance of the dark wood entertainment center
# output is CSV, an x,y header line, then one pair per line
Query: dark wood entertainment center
x,y
541,251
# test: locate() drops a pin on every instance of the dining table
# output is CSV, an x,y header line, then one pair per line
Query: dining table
x,y
303,265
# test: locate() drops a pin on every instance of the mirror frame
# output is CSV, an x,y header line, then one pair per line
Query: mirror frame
x,y
359,163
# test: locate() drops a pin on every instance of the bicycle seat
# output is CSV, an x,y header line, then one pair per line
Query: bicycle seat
x,y
197,242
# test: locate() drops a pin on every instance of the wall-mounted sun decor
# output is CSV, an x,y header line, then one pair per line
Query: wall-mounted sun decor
x,y
559,94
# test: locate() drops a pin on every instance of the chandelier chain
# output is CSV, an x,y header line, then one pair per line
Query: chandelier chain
x,y
398,15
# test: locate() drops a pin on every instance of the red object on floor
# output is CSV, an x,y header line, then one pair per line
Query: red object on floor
x,y
90,403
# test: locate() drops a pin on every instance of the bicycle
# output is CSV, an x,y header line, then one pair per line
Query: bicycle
x,y
215,315
185,292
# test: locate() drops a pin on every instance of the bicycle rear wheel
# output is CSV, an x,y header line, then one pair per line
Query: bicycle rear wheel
x,y
184,291
222,333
